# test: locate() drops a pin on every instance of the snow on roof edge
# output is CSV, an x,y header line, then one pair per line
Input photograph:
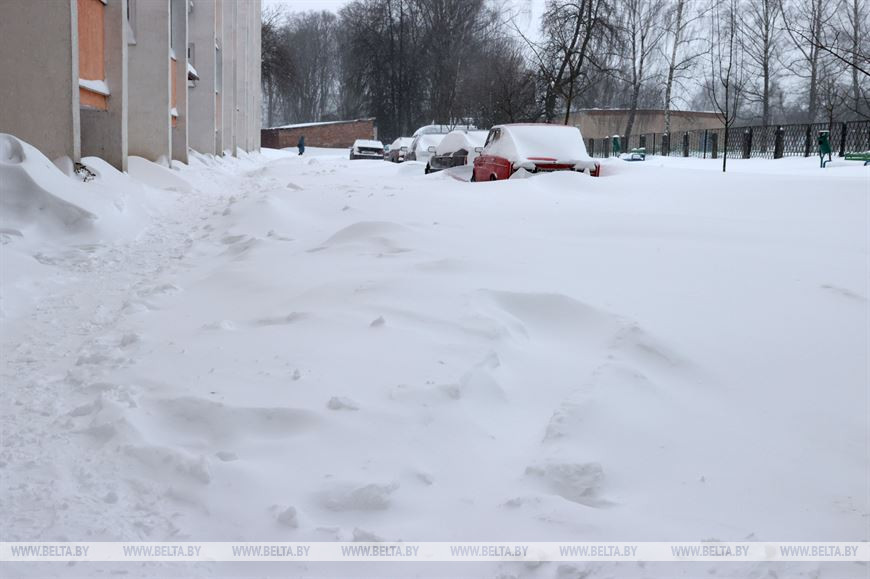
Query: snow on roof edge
x,y
320,123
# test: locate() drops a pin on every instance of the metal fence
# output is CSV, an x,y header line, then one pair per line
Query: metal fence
x,y
771,142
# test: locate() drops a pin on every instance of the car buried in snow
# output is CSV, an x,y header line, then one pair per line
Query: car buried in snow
x,y
456,149
533,147
399,149
419,149
367,149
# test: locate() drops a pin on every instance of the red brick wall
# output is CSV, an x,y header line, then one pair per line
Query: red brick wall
x,y
332,135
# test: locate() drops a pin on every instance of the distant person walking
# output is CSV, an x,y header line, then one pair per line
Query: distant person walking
x,y
301,144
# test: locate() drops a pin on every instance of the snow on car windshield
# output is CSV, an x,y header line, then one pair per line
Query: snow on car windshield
x,y
363,143
554,141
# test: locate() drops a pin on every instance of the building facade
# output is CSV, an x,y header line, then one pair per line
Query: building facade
x,y
112,78
597,123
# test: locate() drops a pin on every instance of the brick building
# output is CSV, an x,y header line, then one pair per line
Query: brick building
x,y
335,134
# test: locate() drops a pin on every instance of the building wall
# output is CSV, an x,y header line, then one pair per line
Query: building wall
x,y
46,49
340,134
39,90
596,123
104,132
240,72
178,41
149,81
201,97
255,96
228,50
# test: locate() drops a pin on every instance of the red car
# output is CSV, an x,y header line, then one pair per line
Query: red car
x,y
535,147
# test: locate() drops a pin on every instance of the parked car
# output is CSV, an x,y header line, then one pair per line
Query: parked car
x,y
456,149
399,149
535,147
386,152
441,129
419,149
366,149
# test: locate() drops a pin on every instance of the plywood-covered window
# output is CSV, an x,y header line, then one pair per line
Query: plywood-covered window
x,y
93,91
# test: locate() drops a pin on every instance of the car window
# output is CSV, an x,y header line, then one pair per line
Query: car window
x,y
492,137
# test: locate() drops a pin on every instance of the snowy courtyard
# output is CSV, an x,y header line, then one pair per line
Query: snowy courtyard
x,y
288,348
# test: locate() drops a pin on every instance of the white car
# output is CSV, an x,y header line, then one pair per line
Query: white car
x,y
441,129
458,148
399,149
366,149
419,149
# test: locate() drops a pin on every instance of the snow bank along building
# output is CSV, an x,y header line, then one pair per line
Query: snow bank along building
x,y
112,78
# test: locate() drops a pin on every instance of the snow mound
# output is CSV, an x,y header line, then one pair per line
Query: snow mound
x,y
34,192
156,175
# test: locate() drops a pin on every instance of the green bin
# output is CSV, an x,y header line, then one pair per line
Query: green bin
x,y
824,142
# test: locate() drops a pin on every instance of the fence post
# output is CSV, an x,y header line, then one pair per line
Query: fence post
x,y
653,151
747,143
642,143
779,143
666,144
686,144
606,147
591,147
808,144
705,143
714,145
843,130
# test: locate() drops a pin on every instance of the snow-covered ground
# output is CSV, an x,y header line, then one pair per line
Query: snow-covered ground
x,y
294,348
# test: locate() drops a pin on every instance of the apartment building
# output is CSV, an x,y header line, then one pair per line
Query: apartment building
x,y
112,78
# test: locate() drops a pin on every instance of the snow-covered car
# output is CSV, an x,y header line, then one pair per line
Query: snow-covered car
x,y
458,148
419,149
441,129
535,147
399,148
366,149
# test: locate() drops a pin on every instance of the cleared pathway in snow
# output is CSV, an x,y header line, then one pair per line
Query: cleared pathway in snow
x,y
317,349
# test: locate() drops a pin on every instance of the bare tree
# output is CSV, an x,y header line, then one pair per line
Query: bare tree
x,y
806,21
833,90
681,21
850,45
762,46
276,65
572,30
642,34
451,27
727,77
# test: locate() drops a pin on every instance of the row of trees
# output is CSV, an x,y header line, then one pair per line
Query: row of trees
x,y
411,62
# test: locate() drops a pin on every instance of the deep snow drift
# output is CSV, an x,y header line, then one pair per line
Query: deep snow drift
x,y
309,348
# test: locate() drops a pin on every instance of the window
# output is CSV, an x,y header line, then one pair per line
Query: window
x,y
492,137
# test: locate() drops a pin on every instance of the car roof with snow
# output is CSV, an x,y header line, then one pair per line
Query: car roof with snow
x,y
427,140
523,141
402,142
368,143
461,139
442,129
